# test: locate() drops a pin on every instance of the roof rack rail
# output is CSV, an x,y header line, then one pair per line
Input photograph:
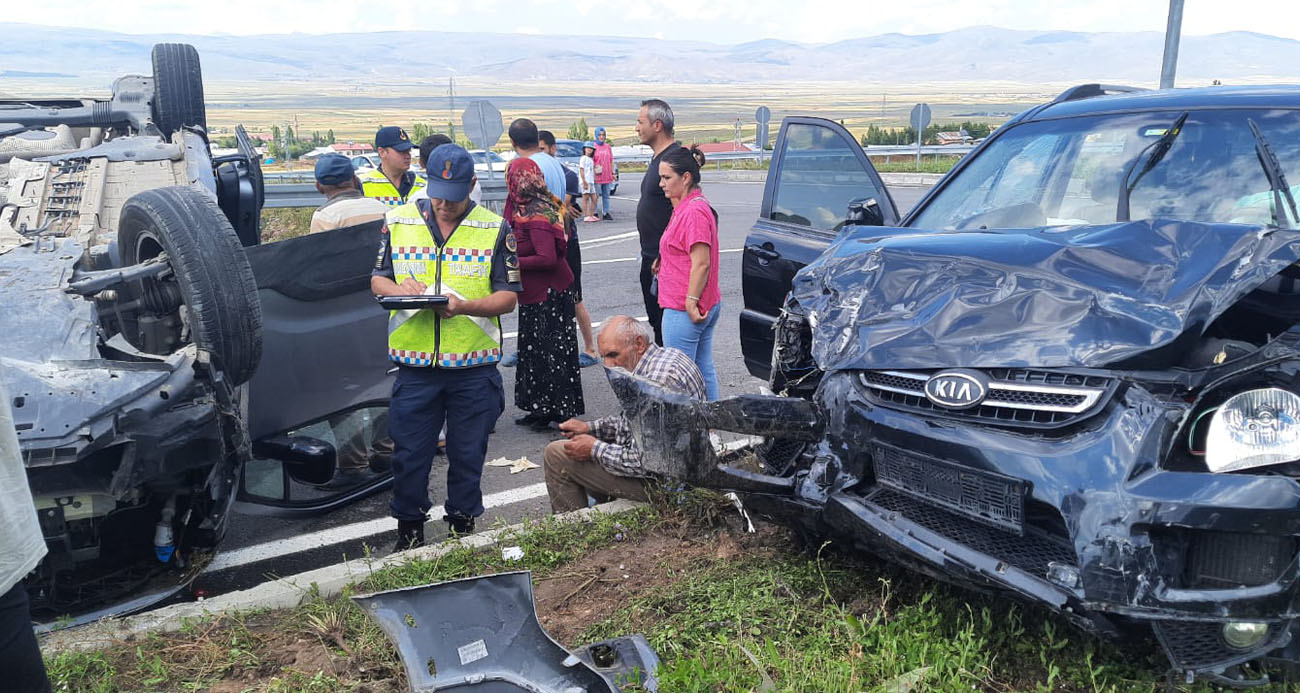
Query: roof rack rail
x,y
1088,91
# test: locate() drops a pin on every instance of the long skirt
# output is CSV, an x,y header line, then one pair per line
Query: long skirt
x,y
547,382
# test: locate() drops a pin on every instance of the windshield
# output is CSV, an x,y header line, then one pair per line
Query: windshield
x,y
1069,171
565,150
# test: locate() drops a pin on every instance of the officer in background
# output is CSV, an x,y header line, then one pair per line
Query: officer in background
x,y
446,357
393,182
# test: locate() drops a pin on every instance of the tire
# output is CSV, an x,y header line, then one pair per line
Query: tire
x,y
177,88
210,269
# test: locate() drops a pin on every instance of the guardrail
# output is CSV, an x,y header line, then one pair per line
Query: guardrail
x,y
298,188
288,195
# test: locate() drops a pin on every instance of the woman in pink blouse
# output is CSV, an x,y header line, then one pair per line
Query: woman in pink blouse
x,y
687,267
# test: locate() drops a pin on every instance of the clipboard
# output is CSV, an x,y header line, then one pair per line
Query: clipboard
x,y
410,302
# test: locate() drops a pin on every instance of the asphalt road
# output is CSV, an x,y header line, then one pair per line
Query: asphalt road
x,y
257,547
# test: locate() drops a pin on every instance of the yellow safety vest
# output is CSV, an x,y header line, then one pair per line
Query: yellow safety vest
x,y
462,267
375,184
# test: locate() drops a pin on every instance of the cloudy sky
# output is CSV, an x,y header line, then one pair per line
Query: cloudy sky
x,y
720,21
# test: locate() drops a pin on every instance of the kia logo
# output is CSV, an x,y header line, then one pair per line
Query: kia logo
x,y
956,389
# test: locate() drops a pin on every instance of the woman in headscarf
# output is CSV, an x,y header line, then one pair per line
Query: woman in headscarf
x,y
547,384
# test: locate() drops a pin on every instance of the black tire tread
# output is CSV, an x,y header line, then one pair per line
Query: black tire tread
x,y
178,88
211,268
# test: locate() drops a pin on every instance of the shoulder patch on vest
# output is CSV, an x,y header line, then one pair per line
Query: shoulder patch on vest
x,y
510,242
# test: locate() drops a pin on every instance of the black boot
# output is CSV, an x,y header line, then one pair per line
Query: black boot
x,y
410,535
459,524
607,217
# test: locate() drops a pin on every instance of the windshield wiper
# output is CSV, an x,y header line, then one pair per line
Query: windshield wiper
x,y
1276,179
1158,150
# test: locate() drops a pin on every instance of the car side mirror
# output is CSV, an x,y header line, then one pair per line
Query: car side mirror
x,y
306,460
865,211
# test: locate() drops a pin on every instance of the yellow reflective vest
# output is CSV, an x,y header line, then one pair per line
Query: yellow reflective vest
x,y
375,184
460,267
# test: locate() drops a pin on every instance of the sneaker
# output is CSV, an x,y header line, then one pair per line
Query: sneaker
x,y
510,359
458,524
410,535
607,217
585,360
590,219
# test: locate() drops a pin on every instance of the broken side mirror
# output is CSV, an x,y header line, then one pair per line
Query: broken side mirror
x,y
306,460
865,211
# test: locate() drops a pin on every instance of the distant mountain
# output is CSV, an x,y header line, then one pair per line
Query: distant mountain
x,y
983,54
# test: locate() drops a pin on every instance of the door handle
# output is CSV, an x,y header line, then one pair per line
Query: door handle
x,y
762,253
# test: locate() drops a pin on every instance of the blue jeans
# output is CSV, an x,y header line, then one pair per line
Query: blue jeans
x,y
602,189
696,341
468,401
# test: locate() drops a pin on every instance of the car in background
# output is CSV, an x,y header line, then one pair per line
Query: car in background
x,y
365,162
1070,374
486,158
569,152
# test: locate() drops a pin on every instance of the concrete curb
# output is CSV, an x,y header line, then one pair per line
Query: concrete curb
x,y
911,179
281,593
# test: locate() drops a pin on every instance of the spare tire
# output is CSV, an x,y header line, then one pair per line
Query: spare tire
x,y
210,296
177,88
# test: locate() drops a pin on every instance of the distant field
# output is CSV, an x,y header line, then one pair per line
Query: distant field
x,y
704,112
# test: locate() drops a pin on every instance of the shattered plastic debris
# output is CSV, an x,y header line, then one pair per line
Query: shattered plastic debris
x,y
512,553
735,500
520,465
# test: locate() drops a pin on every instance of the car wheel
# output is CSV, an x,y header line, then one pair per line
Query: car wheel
x,y
177,88
209,299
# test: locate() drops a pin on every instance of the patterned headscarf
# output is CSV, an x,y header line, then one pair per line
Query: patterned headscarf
x,y
529,200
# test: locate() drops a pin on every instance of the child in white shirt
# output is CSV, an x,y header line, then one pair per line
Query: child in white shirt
x,y
587,181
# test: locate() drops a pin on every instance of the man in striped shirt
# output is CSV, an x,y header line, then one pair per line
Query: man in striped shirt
x,y
600,458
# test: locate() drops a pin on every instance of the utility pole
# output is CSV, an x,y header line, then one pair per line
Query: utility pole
x,y
451,106
1173,32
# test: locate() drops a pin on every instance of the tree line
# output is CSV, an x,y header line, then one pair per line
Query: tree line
x,y
907,135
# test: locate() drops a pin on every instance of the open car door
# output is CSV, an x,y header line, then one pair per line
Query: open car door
x,y
319,399
817,170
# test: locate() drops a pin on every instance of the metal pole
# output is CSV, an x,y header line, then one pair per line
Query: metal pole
x,y
1173,32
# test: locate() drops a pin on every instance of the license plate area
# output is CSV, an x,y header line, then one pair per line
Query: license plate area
x,y
984,496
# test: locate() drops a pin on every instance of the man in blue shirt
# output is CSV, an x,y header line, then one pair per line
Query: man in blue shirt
x,y
525,140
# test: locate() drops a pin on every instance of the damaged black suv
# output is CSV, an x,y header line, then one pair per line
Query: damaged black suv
x,y
1071,373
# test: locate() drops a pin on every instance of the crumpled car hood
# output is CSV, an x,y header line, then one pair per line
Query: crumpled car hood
x,y
1081,296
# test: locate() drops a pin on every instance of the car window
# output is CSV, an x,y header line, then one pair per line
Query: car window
x,y
1072,172
820,173
567,149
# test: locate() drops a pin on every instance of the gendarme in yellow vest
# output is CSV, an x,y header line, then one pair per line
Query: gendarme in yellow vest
x,y
375,184
461,267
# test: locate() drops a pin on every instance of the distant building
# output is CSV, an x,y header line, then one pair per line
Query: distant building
x,y
958,137
352,148
721,147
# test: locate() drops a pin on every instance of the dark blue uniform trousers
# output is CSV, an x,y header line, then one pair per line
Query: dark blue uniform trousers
x,y
469,400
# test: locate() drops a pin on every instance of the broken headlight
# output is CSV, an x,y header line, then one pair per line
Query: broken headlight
x,y
1256,428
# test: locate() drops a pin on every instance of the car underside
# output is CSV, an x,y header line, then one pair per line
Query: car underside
x,y
132,323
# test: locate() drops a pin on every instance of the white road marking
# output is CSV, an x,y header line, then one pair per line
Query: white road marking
x,y
352,532
637,259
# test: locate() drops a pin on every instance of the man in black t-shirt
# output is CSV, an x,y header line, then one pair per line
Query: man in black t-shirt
x,y
654,125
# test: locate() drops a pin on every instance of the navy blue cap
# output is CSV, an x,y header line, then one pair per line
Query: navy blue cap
x,y
333,169
394,137
450,173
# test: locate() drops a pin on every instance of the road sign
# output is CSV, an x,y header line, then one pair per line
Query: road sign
x,y
763,115
483,126
920,116
920,121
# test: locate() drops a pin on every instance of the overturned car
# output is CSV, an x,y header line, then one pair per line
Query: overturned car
x,y
161,363
1071,373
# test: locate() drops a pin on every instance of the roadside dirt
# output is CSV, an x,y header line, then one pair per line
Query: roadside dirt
x,y
594,587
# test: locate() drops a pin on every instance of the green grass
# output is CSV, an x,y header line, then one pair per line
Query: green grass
x,y
279,224
774,618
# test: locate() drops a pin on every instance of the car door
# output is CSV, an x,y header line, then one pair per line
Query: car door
x,y
817,169
323,384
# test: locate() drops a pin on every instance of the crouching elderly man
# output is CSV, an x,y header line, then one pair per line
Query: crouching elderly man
x,y
600,459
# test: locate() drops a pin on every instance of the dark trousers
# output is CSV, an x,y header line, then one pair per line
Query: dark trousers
x,y
652,309
21,665
469,400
